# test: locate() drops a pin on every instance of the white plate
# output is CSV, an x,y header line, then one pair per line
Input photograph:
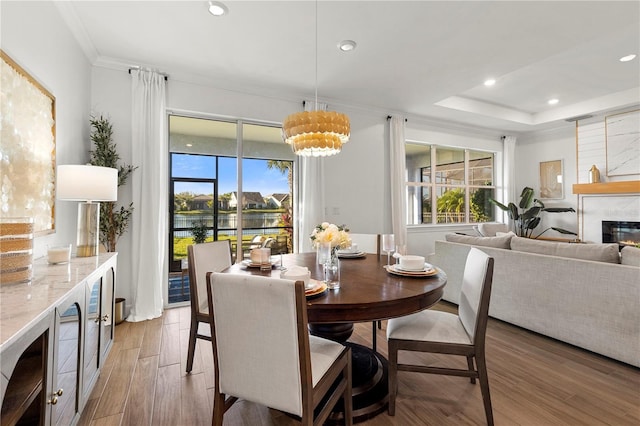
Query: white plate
x,y
250,264
347,255
393,270
427,267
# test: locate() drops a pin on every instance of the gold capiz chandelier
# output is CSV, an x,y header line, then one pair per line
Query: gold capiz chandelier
x,y
316,133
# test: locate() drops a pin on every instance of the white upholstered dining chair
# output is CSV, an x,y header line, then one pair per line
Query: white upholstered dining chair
x,y
263,352
446,333
202,258
370,244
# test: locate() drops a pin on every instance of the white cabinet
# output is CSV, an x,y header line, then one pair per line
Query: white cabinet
x,y
24,371
55,336
99,322
63,391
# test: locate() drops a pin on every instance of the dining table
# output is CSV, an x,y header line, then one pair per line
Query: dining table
x,y
369,291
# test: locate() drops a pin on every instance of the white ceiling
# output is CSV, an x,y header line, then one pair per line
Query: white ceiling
x,y
419,58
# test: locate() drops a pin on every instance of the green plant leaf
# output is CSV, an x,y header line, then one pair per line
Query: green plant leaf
x,y
526,197
499,204
558,209
513,212
531,224
563,231
531,213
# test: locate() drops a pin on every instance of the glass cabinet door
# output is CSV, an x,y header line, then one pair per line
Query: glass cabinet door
x,y
107,314
64,398
92,334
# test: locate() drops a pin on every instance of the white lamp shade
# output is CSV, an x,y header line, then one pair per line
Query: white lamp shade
x,y
87,183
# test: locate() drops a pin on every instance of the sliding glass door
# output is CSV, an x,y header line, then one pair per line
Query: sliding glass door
x,y
229,180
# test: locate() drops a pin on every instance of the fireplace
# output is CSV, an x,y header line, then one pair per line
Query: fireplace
x,y
623,233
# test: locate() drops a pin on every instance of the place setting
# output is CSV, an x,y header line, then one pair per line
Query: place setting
x,y
351,252
312,288
261,258
411,266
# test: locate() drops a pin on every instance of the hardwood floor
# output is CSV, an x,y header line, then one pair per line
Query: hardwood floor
x,y
534,381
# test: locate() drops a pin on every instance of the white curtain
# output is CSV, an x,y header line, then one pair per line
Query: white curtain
x,y
397,168
311,205
150,194
509,191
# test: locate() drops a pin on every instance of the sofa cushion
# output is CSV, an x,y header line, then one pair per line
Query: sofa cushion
x,y
598,252
489,229
496,242
630,256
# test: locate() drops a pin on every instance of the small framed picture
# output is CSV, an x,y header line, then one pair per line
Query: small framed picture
x,y
551,187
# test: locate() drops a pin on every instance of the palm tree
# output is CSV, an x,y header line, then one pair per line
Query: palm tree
x,y
284,167
451,201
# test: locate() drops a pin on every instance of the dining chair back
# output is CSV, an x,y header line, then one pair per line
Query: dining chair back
x,y
263,352
440,332
370,244
203,258
268,242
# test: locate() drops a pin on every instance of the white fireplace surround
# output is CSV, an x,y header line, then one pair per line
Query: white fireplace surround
x,y
596,208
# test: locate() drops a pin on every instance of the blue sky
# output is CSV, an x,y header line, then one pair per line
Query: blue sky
x,y
256,176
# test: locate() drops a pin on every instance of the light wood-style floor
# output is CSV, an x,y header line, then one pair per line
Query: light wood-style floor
x,y
534,381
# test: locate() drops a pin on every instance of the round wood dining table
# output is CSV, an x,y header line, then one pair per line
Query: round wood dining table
x,y
367,293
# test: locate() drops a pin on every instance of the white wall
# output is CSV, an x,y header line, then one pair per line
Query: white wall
x,y
34,35
558,144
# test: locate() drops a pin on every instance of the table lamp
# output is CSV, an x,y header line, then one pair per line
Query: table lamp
x,y
88,184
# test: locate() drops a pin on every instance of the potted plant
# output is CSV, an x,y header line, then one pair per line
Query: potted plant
x,y
526,215
199,231
114,221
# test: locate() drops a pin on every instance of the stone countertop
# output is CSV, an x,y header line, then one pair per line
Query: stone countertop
x,y
23,305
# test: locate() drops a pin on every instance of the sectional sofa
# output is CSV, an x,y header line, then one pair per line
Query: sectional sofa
x,y
587,295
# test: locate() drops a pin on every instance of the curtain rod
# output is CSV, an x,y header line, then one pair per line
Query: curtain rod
x,y
166,77
389,118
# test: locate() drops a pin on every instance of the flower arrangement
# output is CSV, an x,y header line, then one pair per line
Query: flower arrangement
x,y
338,236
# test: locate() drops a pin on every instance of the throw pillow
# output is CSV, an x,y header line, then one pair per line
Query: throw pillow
x,y
492,229
598,252
502,234
630,256
496,242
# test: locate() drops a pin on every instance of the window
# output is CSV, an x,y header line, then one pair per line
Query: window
x,y
448,185
221,192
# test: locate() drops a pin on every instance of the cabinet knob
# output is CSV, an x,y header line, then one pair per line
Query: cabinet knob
x,y
54,396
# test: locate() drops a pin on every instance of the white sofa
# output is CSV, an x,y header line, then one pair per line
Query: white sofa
x,y
591,304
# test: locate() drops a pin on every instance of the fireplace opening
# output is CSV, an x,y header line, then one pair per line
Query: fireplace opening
x,y
624,233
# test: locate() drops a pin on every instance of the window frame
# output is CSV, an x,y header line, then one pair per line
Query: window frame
x,y
432,186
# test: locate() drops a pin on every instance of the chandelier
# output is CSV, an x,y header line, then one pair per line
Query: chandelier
x,y
316,133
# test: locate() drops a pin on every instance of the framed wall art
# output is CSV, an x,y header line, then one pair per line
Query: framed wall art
x,y
28,161
551,187
622,134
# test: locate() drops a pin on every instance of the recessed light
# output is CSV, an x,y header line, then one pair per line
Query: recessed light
x,y
217,8
553,101
490,82
189,145
628,58
347,45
